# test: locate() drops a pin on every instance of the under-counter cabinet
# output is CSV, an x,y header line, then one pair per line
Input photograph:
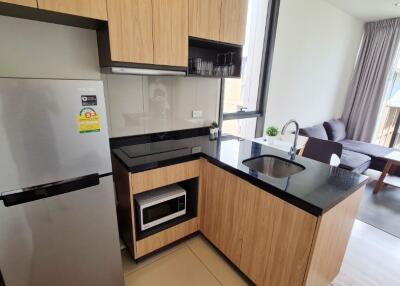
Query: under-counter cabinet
x,y
222,220
95,9
270,240
28,3
128,185
255,230
148,32
218,20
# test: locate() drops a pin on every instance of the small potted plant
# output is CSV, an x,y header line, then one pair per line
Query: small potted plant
x,y
271,133
214,130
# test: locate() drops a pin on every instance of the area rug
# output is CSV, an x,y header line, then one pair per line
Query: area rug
x,y
381,210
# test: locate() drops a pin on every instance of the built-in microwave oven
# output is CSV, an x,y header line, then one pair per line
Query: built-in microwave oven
x,y
160,205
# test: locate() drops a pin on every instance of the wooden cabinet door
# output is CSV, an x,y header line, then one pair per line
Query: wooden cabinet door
x,y
258,233
170,32
293,233
95,9
29,3
223,212
277,240
205,19
233,21
130,25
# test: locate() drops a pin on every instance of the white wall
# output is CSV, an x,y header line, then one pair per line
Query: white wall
x,y
315,52
136,104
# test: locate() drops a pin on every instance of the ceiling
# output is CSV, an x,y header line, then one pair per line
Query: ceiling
x,y
369,10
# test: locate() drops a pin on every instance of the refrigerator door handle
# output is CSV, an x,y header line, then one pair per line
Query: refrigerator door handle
x,y
35,193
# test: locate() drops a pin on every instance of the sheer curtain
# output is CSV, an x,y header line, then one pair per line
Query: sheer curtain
x,y
374,65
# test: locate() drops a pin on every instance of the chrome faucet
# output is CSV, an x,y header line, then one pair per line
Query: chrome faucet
x,y
292,151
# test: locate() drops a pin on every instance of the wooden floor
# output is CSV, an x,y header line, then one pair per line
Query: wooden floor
x,y
372,259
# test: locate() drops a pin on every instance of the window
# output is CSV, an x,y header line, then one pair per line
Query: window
x,y
388,128
242,99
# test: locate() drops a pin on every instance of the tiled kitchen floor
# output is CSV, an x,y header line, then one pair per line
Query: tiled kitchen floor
x,y
372,259
193,262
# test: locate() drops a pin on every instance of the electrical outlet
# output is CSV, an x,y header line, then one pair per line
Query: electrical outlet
x,y
197,113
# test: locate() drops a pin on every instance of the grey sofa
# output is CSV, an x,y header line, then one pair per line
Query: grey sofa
x,y
357,156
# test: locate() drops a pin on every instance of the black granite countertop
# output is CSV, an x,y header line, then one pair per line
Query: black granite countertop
x,y
316,189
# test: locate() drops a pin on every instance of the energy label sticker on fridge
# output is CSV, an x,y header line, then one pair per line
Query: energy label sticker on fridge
x,y
88,120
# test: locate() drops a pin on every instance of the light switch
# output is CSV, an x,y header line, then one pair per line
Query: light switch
x,y
197,113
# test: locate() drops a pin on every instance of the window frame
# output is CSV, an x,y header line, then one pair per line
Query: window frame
x,y
265,75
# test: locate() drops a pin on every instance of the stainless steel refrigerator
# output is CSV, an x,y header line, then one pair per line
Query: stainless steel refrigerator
x,y
58,222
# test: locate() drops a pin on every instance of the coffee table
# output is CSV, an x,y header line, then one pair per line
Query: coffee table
x,y
393,158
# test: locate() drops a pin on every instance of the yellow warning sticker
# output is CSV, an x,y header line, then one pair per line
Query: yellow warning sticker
x,y
88,120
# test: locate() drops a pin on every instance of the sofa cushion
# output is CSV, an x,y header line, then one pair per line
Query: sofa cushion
x,y
369,149
316,131
354,161
336,129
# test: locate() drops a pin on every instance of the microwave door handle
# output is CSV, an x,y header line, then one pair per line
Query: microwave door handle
x,y
35,193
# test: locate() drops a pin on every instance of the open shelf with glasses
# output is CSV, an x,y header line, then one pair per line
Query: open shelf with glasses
x,y
214,59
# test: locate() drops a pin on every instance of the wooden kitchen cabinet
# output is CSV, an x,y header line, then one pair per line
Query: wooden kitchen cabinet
x,y
218,20
255,229
95,9
277,239
28,3
260,211
170,32
233,21
293,234
130,25
272,241
127,185
222,221
205,19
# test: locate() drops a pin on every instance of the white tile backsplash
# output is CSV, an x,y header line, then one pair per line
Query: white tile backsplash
x,y
149,104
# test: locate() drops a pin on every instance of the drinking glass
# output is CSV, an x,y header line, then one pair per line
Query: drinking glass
x,y
197,64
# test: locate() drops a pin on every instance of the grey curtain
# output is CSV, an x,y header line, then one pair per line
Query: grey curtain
x,y
375,61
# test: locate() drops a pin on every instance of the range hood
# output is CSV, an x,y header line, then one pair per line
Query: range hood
x,y
142,71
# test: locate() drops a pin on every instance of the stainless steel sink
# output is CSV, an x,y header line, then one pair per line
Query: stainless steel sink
x,y
273,166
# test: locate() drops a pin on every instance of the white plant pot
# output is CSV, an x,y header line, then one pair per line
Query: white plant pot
x,y
214,133
270,139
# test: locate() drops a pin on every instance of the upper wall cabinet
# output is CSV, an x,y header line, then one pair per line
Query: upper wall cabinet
x,y
148,32
170,32
205,19
218,20
95,9
130,25
233,21
29,3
